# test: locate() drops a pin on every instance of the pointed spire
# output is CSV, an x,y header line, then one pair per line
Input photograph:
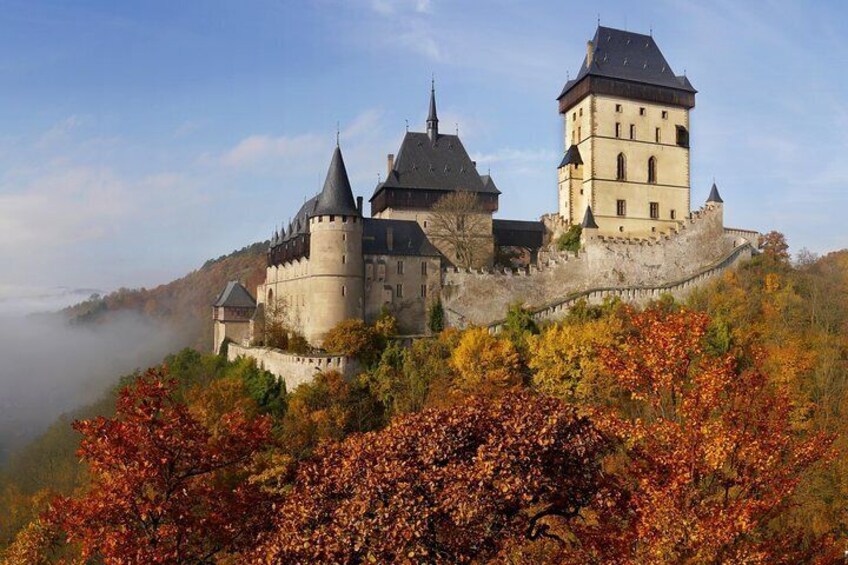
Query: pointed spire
x,y
337,196
432,119
588,222
714,196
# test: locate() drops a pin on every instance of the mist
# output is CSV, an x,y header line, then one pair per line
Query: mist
x,y
48,367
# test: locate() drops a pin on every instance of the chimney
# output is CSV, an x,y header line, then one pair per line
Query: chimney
x,y
359,205
590,52
390,164
390,239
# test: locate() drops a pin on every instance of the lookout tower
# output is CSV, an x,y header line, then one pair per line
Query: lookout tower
x,y
626,118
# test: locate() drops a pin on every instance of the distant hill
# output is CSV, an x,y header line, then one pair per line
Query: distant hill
x,y
185,303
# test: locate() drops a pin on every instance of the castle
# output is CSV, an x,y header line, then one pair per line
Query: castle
x,y
624,178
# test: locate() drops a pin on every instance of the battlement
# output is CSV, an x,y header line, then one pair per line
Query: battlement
x,y
292,368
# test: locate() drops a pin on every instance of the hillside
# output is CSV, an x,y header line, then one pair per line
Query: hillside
x,y
183,303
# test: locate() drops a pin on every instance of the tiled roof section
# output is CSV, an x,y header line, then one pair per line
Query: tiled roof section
x,y
443,165
518,233
714,195
629,56
589,220
489,184
571,157
235,295
300,224
337,196
395,237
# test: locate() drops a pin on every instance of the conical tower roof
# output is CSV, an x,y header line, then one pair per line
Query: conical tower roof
x,y
337,196
714,195
589,220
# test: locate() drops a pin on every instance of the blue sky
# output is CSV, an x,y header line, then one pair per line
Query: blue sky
x,y
139,139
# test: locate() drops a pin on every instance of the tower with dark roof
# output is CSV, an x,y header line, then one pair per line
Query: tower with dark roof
x,y
429,166
335,291
626,150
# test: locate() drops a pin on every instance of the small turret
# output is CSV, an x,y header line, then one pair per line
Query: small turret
x,y
588,225
432,119
714,197
337,196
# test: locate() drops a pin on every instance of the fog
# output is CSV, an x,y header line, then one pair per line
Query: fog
x,y
48,367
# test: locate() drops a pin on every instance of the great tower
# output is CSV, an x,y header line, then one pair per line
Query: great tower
x,y
626,118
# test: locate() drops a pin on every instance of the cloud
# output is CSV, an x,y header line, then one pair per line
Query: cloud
x,y
60,132
257,148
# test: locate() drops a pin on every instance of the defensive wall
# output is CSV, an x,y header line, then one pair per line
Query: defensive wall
x,y
482,297
293,369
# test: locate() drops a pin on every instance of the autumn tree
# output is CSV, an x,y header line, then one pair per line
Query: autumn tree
x,y
165,489
775,248
355,338
441,486
459,226
485,363
710,455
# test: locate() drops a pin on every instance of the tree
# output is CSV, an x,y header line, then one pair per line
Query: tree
x,y
164,488
710,457
460,227
441,486
485,363
355,338
775,248
436,317
570,240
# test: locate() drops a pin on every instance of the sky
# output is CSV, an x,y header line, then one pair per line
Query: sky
x,y
138,139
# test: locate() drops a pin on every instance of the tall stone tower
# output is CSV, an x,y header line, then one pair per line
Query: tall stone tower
x,y
626,117
336,266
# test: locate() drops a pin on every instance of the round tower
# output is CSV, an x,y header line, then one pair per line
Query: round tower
x,y
336,266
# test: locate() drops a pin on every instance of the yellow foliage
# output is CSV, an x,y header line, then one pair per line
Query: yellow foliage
x,y
484,362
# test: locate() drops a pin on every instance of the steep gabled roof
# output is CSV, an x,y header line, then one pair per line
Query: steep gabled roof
x,y
337,196
440,165
571,157
395,237
589,220
489,184
714,195
629,56
235,295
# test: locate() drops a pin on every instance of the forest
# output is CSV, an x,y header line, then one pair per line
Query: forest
x,y
706,431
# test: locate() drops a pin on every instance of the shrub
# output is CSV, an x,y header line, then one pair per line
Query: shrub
x,y
570,240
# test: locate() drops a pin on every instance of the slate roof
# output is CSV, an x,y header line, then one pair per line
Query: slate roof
x,y
589,219
714,195
629,56
337,196
518,233
407,238
235,295
489,184
443,165
571,157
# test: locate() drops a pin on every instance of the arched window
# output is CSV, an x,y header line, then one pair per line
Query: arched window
x,y
621,169
652,170
270,297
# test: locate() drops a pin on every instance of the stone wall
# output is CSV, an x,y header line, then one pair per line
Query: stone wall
x,y
405,285
482,297
294,370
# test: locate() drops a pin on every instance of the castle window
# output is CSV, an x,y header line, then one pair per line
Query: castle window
x,y
425,223
320,218
332,218
400,267
621,167
617,129
344,259
642,111
665,115
632,131
580,134
344,219
399,290
344,237
655,210
270,297
581,111
574,116
423,268
652,170
621,207
673,214
423,291
657,135
369,271
682,136
344,290
618,107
